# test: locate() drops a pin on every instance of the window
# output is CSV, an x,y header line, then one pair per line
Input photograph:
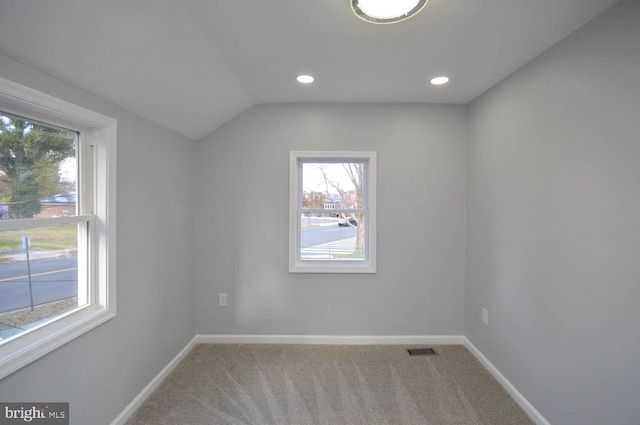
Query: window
x,y
57,223
332,216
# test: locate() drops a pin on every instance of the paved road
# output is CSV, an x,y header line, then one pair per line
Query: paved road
x,y
324,233
52,279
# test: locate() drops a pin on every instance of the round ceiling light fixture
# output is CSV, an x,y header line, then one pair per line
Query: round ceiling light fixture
x,y
438,81
305,79
386,11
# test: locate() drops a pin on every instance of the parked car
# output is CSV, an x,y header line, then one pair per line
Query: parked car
x,y
343,222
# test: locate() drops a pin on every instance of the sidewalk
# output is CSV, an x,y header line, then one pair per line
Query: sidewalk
x,y
326,251
14,257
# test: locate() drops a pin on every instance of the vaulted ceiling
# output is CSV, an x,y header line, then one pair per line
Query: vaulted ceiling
x,y
191,65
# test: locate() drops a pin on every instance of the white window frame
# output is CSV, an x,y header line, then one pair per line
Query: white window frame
x,y
97,175
298,265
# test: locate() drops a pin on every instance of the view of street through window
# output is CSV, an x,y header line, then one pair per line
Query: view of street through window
x,y
323,238
332,223
38,251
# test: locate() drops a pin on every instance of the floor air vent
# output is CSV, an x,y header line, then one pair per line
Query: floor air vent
x,y
421,351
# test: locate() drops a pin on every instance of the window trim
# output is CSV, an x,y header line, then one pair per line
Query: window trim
x,y
297,265
99,132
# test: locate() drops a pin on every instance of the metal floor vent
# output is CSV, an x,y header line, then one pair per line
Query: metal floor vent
x,y
421,351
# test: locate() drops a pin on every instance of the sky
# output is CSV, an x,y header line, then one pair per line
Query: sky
x,y
68,170
312,179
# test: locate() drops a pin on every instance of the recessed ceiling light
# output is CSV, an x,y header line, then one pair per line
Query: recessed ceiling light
x,y
305,79
437,81
386,11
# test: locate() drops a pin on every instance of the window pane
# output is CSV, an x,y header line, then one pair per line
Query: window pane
x,y
330,236
37,169
38,277
333,185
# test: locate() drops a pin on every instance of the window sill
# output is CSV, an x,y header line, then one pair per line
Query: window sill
x,y
319,266
40,341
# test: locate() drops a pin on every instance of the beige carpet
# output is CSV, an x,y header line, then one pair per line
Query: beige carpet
x,y
329,385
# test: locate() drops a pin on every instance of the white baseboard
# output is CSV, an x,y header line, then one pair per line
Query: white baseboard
x,y
330,339
508,386
153,385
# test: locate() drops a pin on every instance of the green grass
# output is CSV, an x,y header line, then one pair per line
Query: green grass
x,y
42,238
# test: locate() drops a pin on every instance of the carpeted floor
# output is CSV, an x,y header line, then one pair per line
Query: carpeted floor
x,y
329,385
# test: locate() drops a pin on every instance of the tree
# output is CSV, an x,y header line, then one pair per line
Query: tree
x,y
30,158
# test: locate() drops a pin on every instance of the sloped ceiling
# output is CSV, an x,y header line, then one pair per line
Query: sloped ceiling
x,y
191,65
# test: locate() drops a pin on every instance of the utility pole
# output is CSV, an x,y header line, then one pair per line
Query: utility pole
x,y
26,242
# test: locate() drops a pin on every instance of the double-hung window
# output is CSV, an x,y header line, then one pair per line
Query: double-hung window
x,y
332,215
57,223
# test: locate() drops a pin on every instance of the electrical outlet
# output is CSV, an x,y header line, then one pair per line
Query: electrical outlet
x,y
485,316
222,300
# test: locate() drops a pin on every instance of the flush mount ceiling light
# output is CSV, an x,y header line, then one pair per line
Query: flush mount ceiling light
x,y
305,79
437,81
386,11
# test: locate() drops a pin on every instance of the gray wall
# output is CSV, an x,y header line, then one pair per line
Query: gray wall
x,y
242,214
103,370
552,247
553,241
